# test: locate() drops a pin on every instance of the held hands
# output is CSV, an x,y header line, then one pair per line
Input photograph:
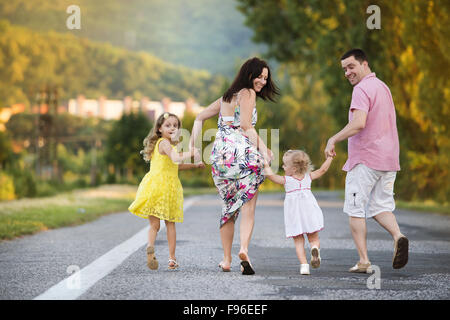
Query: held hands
x,y
329,149
200,165
194,152
268,156
267,170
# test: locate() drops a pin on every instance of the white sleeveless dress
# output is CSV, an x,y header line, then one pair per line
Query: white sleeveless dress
x,y
302,213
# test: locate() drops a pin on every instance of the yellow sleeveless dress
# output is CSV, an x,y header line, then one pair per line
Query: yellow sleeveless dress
x,y
160,193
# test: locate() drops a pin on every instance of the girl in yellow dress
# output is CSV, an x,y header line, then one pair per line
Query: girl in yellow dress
x,y
160,194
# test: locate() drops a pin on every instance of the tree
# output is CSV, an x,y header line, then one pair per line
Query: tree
x,y
124,143
6,154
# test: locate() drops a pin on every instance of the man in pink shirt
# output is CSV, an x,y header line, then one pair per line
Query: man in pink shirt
x,y
373,159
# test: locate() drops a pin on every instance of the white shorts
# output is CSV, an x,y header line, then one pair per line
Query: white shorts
x,y
368,192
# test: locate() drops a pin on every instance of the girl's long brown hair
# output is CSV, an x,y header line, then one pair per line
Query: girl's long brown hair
x,y
154,134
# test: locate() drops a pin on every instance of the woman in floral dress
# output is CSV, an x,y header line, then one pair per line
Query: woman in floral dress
x,y
238,154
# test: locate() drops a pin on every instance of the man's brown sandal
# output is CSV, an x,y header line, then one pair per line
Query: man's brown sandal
x,y
361,268
400,258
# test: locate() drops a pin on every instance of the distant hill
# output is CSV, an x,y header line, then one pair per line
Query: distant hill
x,y
202,34
30,61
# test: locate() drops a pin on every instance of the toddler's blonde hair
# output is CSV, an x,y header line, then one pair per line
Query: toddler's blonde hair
x,y
300,160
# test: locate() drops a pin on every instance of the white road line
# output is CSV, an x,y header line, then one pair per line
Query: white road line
x,y
78,283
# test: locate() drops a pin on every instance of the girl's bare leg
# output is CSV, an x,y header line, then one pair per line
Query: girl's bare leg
x,y
299,242
313,239
171,238
153,231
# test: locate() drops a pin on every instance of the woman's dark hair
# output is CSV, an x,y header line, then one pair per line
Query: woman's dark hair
x,y
359,55
249,71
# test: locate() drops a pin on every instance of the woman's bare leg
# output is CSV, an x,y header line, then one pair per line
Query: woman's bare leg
x,y
246,227
226,235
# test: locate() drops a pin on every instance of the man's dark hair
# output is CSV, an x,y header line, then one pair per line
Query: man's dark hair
x,y
357,53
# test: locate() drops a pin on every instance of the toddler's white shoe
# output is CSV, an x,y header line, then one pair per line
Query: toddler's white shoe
x,y
304,269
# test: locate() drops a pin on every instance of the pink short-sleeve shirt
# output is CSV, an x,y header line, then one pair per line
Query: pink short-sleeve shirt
x,y
377,145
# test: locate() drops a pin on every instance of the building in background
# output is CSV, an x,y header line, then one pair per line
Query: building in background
x,y
108,109
113,109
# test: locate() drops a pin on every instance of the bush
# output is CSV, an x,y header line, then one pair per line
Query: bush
x,y
47,189
24,184
6,187
111,178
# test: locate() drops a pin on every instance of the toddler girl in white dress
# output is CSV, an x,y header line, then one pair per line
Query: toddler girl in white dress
x,y
302,214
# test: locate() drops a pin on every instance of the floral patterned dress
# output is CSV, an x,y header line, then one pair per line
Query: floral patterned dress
x,y
237,165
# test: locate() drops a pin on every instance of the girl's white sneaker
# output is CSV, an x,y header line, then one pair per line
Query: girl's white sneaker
x,y
304,269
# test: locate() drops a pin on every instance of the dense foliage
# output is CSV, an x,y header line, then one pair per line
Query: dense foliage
x,y
201,34
410,53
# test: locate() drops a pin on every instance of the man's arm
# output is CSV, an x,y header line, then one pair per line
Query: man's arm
x,y
353,127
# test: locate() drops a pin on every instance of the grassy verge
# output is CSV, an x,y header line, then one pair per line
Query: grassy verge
x,y
424,206
28,216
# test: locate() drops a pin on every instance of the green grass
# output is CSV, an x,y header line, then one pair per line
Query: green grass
x,y
28,216
424,206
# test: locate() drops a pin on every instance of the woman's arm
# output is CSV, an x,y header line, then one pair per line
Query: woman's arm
x,y
247,103
210,111
187,166
321,171
177,157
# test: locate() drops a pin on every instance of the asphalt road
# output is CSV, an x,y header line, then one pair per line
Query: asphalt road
x,y
31,265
